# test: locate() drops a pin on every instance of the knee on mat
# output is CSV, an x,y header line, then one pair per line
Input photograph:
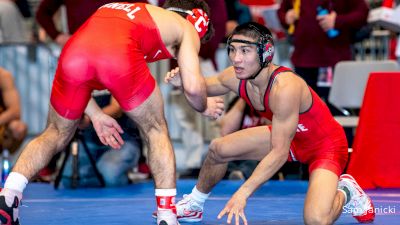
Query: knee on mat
x,y
317,218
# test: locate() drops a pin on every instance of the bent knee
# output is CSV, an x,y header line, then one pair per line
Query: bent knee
x,y
216,150
316,217
153,128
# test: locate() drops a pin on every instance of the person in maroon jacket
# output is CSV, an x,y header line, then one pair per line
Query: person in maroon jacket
x,y
313,48
77,13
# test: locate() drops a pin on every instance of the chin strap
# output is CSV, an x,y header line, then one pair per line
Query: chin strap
x,y
256,74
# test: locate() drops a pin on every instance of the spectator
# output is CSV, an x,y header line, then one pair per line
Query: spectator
x,y
313,49
12,129
237,14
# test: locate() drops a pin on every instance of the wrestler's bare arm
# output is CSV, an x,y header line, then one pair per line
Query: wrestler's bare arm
x,y
107,128
285,104
193,82
222,82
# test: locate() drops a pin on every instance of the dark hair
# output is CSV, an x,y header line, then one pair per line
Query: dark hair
x,y
263,37
252,29
189,5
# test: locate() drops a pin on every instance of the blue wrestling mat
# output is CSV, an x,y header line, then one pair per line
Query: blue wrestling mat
x,y
275,203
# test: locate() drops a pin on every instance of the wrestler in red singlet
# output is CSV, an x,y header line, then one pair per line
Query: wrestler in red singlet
x,y
109,51
319,141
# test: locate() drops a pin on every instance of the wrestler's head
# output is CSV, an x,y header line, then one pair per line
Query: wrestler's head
x,y
195,11
250,47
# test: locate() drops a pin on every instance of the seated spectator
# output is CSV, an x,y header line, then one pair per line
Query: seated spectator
x,y
12,129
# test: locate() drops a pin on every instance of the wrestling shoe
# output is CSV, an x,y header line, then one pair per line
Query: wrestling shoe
x,y
187,210
9,203
360,204
166,217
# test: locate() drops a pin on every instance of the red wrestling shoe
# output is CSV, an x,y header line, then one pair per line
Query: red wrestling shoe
x,y
360,204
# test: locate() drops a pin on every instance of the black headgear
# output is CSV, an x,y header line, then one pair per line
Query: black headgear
x,y
265,43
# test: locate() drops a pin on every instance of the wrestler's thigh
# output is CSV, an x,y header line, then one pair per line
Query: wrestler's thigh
x,y
150,113
248,144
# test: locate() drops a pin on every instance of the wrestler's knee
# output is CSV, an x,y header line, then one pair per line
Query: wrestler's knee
x,y
217,149
58,135
153,127
315,216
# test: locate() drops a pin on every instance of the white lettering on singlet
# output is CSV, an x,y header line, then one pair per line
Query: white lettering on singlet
x,y
125,7
301,128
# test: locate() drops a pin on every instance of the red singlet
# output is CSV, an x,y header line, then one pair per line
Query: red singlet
x,y
319,141
109,51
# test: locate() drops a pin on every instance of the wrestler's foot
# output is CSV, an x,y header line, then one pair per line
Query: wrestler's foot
x,y
166,217
9,203
188,210
360,204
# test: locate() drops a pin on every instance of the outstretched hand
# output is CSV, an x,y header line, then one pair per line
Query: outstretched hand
x,y
235,207
215,107
108,130
174,77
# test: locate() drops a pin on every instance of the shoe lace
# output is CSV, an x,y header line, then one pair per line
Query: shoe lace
x,y
186,199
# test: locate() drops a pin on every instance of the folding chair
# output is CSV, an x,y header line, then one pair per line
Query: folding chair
x,y
348,86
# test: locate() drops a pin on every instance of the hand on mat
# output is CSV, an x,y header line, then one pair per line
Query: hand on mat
x,y
215,107
235,207
174,77
108,130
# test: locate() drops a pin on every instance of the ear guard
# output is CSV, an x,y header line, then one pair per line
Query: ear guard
x,y
197,17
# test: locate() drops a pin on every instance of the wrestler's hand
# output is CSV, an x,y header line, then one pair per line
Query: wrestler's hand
x,y
235,207
174,77
108,130
215,107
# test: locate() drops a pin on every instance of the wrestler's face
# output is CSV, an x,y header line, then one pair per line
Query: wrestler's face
x,y
243,56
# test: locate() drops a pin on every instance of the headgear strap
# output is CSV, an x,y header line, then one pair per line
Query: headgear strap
x,y
197,17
